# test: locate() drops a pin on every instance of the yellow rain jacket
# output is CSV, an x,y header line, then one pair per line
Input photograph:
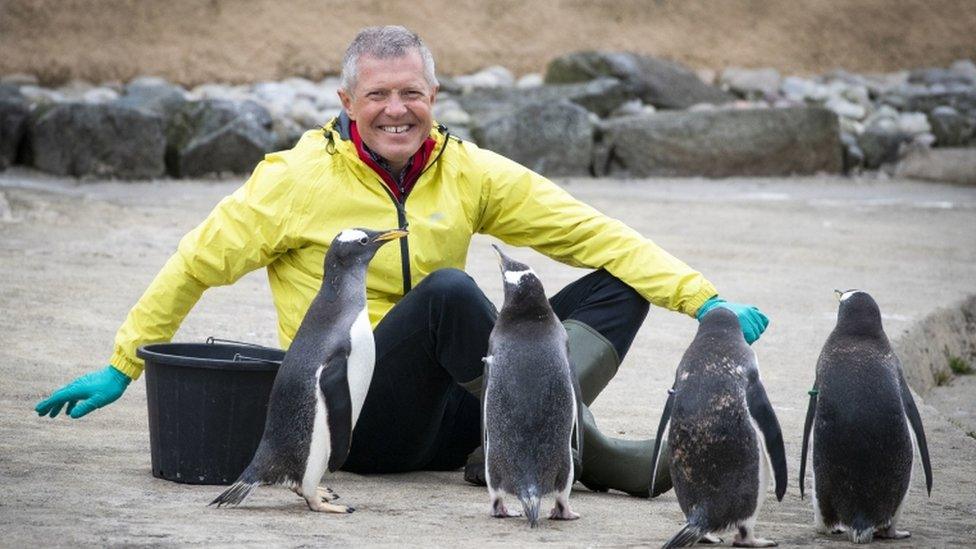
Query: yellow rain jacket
x,y
296,201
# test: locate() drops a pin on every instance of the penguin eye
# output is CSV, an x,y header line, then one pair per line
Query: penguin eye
x,y
364,240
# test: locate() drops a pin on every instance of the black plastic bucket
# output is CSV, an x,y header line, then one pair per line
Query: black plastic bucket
x,y
207,405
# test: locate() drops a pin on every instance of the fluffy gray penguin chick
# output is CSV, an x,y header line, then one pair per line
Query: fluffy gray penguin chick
x,y
322,383
531,401
863,419
723,436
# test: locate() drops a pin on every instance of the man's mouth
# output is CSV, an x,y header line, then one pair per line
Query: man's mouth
x,y
396,129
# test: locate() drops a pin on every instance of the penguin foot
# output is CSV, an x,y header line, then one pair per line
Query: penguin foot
x,y
891,533
562,512
498,510
710,539
754,542
326,494
316,504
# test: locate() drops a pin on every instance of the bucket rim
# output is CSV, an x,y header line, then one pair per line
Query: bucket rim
x,y
157,353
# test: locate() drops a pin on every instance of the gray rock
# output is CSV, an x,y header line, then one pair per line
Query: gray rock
x,y
450,113
913,123
846,108
923,100
880,146
964,68
938,76
664,84
14,113
951,129
552,138
491,77
101,140
751,83
600,96
99,95
153,95
853,155
531,80
724,143
217,136
949,165
286,133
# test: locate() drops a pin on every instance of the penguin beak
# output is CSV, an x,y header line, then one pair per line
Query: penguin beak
x,y
390,235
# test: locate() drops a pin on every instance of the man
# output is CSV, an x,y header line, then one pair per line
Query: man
x,y
384,162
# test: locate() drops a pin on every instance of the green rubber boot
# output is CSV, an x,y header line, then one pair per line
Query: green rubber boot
x,y
610,463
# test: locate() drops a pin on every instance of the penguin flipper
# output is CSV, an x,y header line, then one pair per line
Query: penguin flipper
x,y
661,427
484,391
807,425
762,412
915,420
334,383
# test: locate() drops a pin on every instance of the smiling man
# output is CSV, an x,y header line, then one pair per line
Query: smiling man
x,y
385,161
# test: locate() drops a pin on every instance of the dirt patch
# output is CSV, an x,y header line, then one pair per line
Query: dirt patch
x,y
190,42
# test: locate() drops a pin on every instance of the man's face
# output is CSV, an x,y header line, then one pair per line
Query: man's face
x,y
391,104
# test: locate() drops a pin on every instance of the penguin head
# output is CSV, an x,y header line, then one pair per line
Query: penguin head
x,y
858,313
523,289
358,246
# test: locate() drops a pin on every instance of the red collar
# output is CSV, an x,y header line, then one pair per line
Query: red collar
x,y
413,173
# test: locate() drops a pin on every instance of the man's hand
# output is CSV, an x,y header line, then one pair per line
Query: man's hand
x,y
90,392
751,319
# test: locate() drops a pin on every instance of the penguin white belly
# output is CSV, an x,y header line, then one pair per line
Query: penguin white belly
x,y
320,447
362,359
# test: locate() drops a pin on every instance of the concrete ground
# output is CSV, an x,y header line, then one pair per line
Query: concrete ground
x,y
74,257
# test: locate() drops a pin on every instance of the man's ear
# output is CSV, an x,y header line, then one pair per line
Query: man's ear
x,y
346,103
433,94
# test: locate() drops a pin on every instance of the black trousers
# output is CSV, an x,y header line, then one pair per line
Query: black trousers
x,y
416,416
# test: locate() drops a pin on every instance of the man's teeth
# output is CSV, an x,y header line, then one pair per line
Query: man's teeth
x,y
394,129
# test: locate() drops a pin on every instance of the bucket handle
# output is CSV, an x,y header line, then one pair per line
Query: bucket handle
x,y
238,357
211,340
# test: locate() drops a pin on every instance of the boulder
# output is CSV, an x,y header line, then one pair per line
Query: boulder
x,y
751,83
951,129
100,140
948,165
724,143
920,100
664,84
880,146
14,113
153,95
601,96
216,136
552,138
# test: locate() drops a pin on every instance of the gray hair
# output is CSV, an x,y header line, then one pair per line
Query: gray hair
x,y
384,43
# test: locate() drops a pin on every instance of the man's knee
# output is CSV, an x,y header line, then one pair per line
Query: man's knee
x,y
627,302
450,284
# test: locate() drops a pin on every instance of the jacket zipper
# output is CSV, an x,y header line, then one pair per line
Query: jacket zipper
x,y
401,206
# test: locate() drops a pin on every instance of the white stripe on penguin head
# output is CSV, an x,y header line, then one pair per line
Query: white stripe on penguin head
x,y
351,235
514,277
844,296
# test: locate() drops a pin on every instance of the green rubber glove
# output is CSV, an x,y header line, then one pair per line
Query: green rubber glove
x,y
93,390
751,319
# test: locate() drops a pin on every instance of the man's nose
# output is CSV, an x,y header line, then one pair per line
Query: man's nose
x,y
395,106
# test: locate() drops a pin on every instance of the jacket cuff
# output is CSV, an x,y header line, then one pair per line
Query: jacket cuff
x,y
131,367
706,292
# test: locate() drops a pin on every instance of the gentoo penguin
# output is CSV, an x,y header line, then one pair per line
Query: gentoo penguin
x,y
723,436
860,412
321,385
531,401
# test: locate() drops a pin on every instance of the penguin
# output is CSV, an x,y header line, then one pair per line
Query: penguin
x,y
531,403
723,436
863,418
320,388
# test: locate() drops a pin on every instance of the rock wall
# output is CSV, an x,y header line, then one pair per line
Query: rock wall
x,y
193,41
925,348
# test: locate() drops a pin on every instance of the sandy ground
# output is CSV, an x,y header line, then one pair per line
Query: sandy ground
x,y
74,258
191,42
